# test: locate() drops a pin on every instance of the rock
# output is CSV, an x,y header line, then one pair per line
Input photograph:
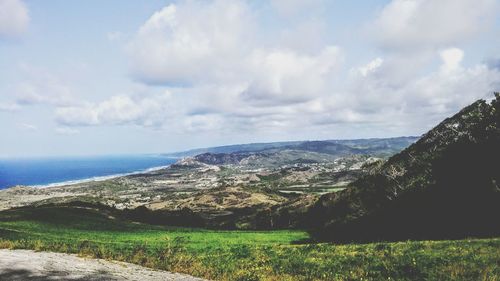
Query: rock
x,y
24,265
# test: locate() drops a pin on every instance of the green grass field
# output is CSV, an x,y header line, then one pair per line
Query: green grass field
x,y
244,255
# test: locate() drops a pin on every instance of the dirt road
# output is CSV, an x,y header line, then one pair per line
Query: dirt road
x,y
40,266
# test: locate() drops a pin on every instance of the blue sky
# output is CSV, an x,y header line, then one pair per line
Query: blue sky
x,y
113,77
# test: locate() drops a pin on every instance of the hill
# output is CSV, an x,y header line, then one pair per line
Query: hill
x,y
94,231
380,146
444,186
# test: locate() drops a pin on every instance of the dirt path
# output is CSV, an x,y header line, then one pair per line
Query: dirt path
x,y
40,266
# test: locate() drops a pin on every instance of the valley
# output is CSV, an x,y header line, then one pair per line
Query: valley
x,y
225,189
400,208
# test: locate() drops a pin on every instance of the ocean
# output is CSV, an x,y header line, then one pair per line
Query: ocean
x,y
52,171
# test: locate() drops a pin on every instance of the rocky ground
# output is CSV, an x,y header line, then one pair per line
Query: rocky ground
x,y
24,265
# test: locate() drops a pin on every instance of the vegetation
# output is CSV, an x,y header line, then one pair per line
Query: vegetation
x,y
380,147
444,186
243,255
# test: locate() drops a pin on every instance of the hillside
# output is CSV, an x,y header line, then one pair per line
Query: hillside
x,y
374,146
273,155
443,186
236,255
270,186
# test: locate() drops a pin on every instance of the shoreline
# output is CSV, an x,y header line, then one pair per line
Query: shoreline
x,y
93,179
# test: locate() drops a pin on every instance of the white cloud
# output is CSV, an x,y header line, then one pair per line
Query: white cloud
x,y
149,111
203,123
39,86
192,42
291,8
306,36
239,70
9,107
67,131
77,115
423,24
284,76
114,36
234,83
370,67
453,86
14,18
240,83
215,46
420,101
28,127
451,59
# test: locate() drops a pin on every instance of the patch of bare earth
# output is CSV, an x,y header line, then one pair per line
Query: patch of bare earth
x,y
17,265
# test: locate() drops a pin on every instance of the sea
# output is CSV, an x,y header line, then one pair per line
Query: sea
x,y
55,171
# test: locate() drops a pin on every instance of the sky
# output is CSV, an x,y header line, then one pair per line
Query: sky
x,y
126,77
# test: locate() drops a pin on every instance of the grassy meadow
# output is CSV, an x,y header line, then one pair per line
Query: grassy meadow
x,y
244,255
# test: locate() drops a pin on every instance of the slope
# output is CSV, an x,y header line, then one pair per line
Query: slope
x,y
446,185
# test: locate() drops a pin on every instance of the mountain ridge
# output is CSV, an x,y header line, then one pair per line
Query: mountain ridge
x,y
267,146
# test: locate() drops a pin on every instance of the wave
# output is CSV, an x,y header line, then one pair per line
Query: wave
x,y
98,178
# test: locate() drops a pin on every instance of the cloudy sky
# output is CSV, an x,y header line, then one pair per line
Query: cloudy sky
x,y
109,77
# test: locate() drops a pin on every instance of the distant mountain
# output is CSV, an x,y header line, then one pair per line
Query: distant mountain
x,y
221,158
275,159
444,186
375,146
250,147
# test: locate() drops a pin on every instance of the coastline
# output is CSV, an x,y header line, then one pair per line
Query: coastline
x,y
96,179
